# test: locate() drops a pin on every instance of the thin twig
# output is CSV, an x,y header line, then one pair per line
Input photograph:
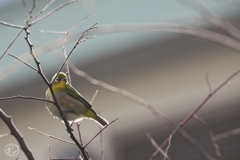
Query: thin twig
x,y
53,11
101,137
14,131
212,138
26,97
79,132
94,96
4,135
100,132
14,39
33,6
169,145
23,62
208,83
41,11
154,143
227,134
51,136
11,25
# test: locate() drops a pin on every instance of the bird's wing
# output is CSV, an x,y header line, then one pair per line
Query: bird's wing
x,y
76,95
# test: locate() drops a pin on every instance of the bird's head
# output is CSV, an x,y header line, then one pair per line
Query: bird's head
x,y
60,81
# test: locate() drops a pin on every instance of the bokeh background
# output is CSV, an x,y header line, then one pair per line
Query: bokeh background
x,y
166,69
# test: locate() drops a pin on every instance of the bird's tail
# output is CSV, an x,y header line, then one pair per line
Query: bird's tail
x,y
103,122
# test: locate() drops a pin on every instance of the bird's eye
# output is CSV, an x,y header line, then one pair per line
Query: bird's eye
x,y
57,79
65,80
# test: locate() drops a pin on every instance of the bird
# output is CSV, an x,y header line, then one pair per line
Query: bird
x,y
73,105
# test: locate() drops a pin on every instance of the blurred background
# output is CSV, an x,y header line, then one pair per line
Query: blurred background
x,y
166,69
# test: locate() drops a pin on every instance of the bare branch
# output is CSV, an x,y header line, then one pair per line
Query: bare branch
x,y
51,136
11,25
23,62
53,11
154,143
14,131
212,138
26,97
227,134
100,132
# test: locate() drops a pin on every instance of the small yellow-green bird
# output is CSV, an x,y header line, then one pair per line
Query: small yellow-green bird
x,y
74,106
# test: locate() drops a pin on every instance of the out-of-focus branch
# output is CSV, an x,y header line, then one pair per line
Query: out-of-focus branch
x,y
14,131
227,134
212,17
121,28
